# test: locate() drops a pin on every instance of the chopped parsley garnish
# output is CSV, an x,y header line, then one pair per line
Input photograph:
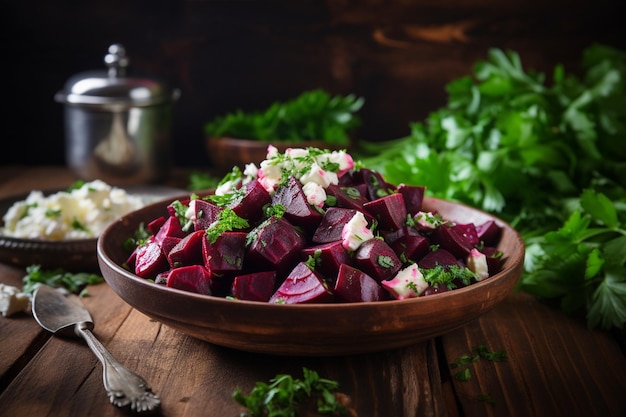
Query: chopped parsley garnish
x,y
77,225
478,352
53,212
227,221
447,275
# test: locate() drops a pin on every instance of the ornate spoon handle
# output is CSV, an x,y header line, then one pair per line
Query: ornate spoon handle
x,y
123,386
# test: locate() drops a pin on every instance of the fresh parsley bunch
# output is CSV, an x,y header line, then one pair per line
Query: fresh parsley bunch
x,y
313,115
512,144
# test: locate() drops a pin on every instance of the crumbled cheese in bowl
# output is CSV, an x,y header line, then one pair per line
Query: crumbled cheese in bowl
x,y
80,213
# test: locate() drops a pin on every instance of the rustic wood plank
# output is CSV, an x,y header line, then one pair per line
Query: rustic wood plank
x,y
556,365
195,378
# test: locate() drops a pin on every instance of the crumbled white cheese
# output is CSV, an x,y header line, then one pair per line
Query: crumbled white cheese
x,y
355,232
477,263
427,220
408,283
13,301
81,213
315,194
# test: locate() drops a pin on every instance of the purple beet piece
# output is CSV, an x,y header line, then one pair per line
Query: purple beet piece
x,y
331,226
154,226
413,197
448,238
437,257
376,258
389,211
494,259
432,290
275,244
376,186
297,209
250,204
171,227
468,231
488,232
150,259
225,254
302,286
328,257
168,243
355,286
352,197
411,245
193,278
188,250
258,286
205,213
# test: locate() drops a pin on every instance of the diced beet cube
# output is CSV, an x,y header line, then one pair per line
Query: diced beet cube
x,y
193,278
188,250
221,284
468,231
154,226
437,257
389,211
302,286
225,254
355,286
494,259
448,238
258,286
488,232
250,204
171,227
331,226
205,213
376,186
275,244
150,259
413,197
168,243
328,257
376,258
352,197
297,209
411,246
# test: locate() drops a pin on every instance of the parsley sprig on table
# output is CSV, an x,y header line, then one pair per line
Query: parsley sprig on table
x,y
285,395
535,153
75,282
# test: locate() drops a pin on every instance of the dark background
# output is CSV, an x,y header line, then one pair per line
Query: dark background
x,y
226,55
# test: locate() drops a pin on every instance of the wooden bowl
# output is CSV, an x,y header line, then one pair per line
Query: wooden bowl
x,y
226,153
310,329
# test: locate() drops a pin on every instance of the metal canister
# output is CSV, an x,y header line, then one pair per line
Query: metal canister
x,y
117,127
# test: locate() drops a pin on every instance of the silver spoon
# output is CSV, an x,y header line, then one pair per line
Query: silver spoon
x,y
67,316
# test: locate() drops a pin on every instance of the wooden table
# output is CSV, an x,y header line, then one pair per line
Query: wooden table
x,y
556,366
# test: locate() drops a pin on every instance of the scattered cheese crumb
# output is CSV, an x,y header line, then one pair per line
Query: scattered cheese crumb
x,y
13,301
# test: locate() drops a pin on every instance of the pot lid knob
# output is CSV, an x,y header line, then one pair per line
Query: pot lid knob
x,y
116,61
